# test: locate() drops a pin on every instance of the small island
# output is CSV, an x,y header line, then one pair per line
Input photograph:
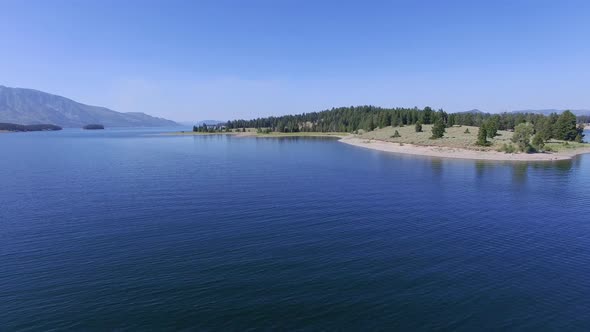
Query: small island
x,y
93,127
12,127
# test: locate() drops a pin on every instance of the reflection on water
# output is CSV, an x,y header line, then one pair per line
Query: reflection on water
x,y
519,173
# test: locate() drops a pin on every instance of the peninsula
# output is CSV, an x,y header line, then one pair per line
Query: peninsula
x,y
467,135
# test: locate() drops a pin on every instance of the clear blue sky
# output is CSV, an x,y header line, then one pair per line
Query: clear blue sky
x,y
190,60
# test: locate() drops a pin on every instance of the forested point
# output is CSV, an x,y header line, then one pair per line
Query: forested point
x,y
93,127
565,126
37,127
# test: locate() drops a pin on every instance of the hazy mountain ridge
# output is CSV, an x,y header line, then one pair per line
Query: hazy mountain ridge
x,y
538,111
210,122
28,106
549,111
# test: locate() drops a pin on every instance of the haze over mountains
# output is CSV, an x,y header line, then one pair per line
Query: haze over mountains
x,y
27,106
541,111
549,111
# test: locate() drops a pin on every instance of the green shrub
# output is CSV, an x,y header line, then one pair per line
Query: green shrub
x,y
538,142
264,131
530,149
418,127
522,136
508,148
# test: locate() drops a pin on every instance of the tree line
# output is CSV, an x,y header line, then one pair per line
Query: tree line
x,y
368,118
343,119
565,126
349,119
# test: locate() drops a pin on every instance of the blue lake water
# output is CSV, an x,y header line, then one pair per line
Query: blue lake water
x,y
127,230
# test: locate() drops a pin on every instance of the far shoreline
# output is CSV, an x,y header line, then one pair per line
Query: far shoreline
x,y
260,135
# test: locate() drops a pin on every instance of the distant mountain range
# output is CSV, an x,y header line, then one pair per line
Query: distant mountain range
x,y
27,107
544,111
549,111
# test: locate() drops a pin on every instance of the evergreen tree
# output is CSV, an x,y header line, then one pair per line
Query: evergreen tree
x,y
438,130
565,128
492,125
544,128
427,115
371,124
482,136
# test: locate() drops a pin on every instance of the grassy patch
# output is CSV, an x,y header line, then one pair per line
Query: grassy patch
x,y
463,137
556,145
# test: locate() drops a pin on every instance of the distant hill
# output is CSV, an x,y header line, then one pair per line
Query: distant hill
x,y
473,111
210,122
27,106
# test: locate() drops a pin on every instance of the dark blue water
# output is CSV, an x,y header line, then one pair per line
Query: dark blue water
x,y
121,229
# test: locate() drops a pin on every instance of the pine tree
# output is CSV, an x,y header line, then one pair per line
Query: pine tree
x,y
492,125
438,130
482,136
427,115
565,128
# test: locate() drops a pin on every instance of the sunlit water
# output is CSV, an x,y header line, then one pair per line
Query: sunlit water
x,y
124,229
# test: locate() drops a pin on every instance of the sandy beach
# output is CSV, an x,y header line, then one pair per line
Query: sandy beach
x,y
457,153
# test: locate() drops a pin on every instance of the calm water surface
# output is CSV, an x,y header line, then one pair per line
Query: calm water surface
x,y
126,230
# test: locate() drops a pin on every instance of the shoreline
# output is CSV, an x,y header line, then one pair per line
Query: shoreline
x,y
410,149
260,135
457,153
